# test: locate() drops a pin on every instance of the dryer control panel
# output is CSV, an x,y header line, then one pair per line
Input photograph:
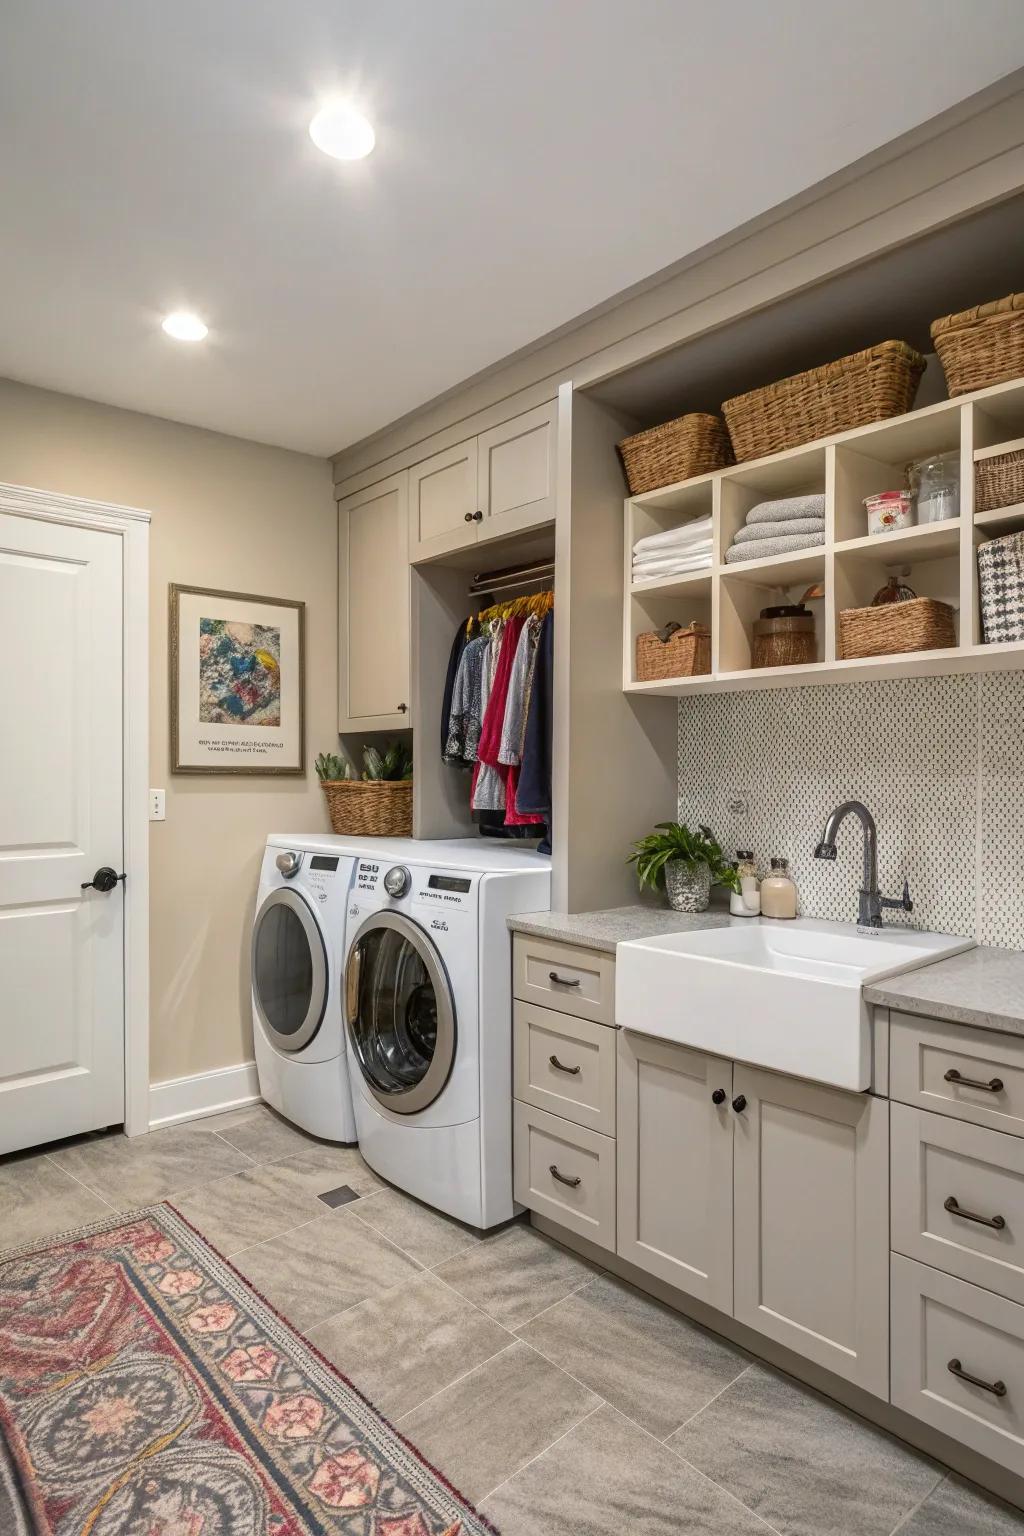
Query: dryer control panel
x,y
320,870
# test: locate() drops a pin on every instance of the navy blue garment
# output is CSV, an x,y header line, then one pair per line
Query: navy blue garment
x,y
533,791
458,646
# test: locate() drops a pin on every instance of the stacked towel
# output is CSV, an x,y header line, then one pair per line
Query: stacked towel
x,y
674,552
779,528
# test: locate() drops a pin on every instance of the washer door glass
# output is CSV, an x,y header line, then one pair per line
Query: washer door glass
x,y
289,970
400,1013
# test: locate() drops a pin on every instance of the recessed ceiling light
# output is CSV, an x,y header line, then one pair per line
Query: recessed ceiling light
x,y
342,132
184,326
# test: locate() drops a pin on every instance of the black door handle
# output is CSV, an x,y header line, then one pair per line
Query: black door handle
x,y
572,1071
997,1388
739,1103
994,1084
953,1206
719,1096
104,879
562,1179
563,981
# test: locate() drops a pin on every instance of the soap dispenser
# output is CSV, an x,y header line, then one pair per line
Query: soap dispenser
x,y
778,893
746,902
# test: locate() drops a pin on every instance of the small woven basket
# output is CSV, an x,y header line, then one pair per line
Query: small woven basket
x,y
867,386
677,450
886,629
999,481
983,345
374,808
1001,586
673,652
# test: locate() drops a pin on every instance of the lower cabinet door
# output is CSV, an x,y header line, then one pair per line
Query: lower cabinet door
x,y
565,1172
675,1165
811,1210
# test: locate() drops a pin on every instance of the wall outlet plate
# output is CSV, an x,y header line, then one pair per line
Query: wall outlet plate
x,y
157,810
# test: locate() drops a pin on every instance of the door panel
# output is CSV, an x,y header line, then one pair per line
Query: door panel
x,y
443,501
812,1221
61,947
373,585
675,1166
516,469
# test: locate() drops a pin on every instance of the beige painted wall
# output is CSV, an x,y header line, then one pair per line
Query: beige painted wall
x,y
230,514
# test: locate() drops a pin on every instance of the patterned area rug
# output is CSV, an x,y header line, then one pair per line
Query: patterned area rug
x,y
147,1390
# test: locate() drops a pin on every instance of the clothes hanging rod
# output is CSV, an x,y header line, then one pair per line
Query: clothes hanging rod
x,y
508,572
500,581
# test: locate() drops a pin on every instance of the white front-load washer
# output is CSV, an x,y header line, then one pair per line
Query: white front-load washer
x,y
428,1015
297,939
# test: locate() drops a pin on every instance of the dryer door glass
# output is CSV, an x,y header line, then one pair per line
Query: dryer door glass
x,y
289,970
400,1013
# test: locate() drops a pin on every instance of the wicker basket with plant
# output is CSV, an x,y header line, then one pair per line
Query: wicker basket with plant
x,y
377,803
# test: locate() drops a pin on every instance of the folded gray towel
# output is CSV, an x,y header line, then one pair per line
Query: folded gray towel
x,y
781,530
788,507
759,549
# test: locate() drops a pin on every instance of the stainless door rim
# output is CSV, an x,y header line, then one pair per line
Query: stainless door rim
x,y
410,1100
287,896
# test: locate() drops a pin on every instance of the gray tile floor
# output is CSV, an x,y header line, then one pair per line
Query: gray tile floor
x,y
560,1400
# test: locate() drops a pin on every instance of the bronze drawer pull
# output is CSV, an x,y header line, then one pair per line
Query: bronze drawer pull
x,y
953,1206
572,1183
994,1084
997,1388
572,1071
563,981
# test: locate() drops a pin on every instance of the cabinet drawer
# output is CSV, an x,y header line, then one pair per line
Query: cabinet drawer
x,y
566,1066
972,1074
938,1162
939,1322
565,1172
563,977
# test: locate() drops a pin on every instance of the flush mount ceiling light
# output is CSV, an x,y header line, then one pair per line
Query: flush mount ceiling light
x,y
342,132
184,326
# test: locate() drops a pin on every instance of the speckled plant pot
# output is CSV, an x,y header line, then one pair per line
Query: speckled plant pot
x,y
688,886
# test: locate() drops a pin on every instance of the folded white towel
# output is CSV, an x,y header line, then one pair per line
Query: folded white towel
x,y
688,533
677,567
781,530
650,556
760,549
783,509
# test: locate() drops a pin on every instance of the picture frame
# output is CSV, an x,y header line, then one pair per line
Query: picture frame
x,y
237,683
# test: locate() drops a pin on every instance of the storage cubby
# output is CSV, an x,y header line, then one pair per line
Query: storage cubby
x,y
937,560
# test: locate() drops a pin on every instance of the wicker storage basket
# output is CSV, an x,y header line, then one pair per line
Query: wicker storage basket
x,y
783,637
673,652
374,808
677,450
866,386
999,481
921,624
1001,584
983,345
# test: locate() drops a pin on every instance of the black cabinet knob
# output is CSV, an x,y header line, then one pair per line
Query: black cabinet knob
x,y
739,1103
469,517
477,517
719,1096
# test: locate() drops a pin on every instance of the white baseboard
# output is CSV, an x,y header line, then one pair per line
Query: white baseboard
x,y
206,1093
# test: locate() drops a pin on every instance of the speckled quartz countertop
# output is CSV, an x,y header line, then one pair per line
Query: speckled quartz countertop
x,y
983,987
604,930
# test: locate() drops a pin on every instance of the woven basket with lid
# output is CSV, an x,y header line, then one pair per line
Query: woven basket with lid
x,y
983,345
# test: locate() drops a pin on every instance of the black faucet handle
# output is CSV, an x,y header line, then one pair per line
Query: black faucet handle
x,y
901,903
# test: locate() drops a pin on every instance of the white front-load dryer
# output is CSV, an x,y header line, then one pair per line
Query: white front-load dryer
x,y
297,938
428,1015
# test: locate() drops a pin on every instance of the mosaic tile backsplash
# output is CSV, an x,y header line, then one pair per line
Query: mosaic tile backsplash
x,y
939,761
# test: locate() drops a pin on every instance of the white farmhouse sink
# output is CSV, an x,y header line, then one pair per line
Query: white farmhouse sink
x,y
783,995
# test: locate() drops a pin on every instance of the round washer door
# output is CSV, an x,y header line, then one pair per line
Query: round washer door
x,y
289,970
399,1012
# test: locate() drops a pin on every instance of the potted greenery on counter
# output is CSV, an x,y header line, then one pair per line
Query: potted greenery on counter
x,y
377,803
684,864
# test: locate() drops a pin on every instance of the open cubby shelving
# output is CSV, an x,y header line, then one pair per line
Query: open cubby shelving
x,y
851,565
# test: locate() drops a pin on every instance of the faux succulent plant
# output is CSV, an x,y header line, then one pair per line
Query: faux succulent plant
x,y
395,762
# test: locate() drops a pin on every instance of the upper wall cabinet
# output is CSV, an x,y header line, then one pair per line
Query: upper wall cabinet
x,y
487,487
373,607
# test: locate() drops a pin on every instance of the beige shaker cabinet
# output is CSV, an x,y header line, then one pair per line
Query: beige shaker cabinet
x,y
811,1221
373,607
674,1166
491,486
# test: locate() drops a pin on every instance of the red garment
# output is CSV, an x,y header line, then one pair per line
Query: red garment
x,y
494,714
514,817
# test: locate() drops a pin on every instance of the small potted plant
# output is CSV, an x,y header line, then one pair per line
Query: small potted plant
x,y
377,803
685,864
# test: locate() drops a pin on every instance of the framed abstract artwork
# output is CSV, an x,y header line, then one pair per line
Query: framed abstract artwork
x,y
237,682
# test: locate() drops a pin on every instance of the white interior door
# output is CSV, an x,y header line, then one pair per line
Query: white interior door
x,y
61,946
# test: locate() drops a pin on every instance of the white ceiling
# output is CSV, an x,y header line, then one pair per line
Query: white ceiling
x,y
533,158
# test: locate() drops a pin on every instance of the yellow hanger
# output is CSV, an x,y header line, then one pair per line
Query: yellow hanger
x,y
537,604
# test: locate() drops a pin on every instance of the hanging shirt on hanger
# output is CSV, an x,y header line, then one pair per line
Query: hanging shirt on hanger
x,y
461,640
533,793
513,728
489,785
467,707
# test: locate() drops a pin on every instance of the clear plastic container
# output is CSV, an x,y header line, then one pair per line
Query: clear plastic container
x,y
935,483
889,511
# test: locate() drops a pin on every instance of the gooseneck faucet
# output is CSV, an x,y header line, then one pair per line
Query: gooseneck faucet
x,y
870,900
